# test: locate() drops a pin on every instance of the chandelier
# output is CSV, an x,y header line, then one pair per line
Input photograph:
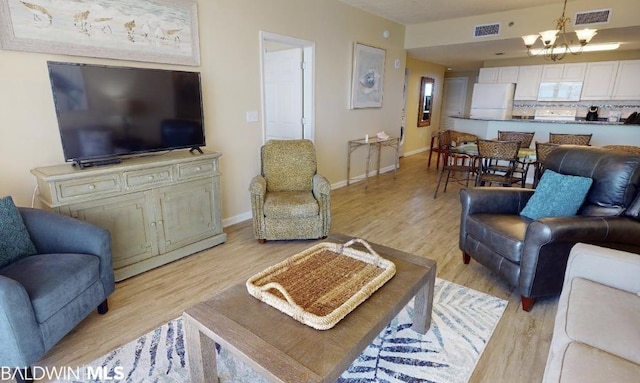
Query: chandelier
x,y
556,47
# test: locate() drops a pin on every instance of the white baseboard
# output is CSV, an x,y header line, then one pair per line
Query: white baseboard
x,y
236,219
416,151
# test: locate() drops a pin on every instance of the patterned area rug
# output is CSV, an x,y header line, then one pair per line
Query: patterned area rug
x,y
463,321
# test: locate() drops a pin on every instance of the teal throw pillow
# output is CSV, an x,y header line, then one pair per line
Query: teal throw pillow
x,y
15,241
557,195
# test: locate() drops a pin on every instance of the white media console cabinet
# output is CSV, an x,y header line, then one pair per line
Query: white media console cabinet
x,y
158,208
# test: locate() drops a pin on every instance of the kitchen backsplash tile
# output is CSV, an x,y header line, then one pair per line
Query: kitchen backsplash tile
x,y
526,109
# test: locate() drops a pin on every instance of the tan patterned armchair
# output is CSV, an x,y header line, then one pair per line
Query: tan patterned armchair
x,y
289,200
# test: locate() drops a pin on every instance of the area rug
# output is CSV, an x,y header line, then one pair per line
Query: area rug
x,y
463,321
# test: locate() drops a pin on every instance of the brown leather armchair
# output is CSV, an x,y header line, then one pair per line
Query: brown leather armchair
x,y
532,254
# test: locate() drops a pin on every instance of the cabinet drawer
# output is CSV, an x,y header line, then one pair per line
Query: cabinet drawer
x,y
153,176
195,169
84,187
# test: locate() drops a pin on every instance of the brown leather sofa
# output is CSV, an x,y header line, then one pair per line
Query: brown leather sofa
x,y
532,254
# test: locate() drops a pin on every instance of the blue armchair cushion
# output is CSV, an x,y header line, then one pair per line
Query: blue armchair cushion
x,y
54,280
15,242
557,195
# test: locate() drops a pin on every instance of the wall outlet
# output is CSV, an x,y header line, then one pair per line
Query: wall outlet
x,y
252,116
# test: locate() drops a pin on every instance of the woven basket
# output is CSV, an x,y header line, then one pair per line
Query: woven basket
x,y
322,284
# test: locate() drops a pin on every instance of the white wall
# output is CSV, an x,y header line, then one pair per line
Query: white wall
x,y
230,68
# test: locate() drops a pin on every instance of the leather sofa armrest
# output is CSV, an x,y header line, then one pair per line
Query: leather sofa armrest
x,y
19,331
548,242
614,268
490,200
494,200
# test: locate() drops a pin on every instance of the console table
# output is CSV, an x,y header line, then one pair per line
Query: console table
x,y
373,144
158,208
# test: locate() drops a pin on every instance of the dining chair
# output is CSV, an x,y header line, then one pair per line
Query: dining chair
x,y
623,148
455,137
525,139
497,162
453,160
543,149
435,148
570,139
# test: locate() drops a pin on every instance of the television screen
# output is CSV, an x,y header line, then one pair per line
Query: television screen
x,y
106,112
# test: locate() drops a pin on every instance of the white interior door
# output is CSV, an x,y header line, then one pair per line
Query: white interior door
x,y
454,95
283,87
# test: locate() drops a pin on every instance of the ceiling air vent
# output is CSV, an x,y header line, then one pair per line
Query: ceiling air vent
x,y
599,16
486,30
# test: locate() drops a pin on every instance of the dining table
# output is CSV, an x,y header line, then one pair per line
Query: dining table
x,y
526,157
471,149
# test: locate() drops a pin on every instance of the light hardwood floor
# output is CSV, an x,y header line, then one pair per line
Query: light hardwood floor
x,y
399,213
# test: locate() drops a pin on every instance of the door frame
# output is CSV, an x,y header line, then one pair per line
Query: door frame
x,y
308,81
462,98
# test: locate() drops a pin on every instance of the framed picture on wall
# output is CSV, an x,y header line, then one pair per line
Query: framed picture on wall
x,y
163,31
367,77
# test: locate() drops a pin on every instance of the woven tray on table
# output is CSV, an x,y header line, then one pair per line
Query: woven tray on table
x,y
322,284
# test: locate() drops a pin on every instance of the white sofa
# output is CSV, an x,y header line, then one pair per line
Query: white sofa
x,y
596,336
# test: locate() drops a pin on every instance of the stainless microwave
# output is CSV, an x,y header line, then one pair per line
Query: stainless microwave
x,y
560,91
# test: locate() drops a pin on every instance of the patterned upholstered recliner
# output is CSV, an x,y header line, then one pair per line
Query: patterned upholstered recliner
x,y
289,200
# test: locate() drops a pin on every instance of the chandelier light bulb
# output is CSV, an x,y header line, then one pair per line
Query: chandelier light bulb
x,y
529,40
585,35
549,37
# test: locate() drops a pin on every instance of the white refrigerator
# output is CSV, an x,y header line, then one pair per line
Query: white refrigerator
x,y
492,101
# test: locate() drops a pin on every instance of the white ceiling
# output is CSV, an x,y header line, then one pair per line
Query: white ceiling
x,y
421,11
472,55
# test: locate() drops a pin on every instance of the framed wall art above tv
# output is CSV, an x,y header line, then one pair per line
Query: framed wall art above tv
x,y
162,31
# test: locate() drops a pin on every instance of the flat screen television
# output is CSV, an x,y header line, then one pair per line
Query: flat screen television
x,y
107,112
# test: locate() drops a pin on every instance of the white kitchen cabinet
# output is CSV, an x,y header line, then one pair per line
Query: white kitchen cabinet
x,y
157,208
488,76
627,84
507,74
528,82
599,80
563,72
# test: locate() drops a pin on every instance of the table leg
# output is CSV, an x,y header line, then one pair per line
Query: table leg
x,y
201,351
395,170
349,165
423,305
366,173
379,150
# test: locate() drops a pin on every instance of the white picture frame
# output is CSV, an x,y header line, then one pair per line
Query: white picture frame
x,y
162,31
367,81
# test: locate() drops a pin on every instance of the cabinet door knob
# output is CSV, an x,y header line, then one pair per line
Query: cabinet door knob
x,y
153,224
150,177
91,187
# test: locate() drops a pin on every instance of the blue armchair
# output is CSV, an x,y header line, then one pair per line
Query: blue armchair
x,y
44,296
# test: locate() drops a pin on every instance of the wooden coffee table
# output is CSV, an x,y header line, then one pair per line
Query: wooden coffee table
x,y
284,350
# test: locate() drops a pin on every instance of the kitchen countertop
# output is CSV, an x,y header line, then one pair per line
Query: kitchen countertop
x,y
577,121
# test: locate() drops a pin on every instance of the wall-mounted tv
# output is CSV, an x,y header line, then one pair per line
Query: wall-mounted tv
x,y
106,112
